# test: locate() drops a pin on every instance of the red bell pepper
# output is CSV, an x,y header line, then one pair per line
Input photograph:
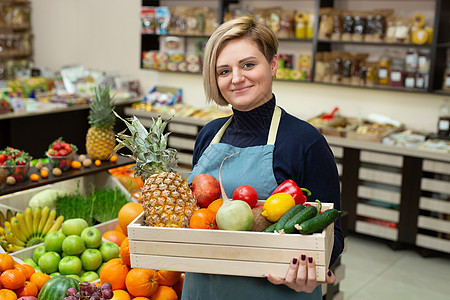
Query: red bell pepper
x,y
290,187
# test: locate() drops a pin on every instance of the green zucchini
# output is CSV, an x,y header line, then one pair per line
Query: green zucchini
x,y
271,228
299,217
288,215
319,222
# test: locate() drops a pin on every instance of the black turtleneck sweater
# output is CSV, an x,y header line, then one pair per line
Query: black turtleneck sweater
x,y
301,153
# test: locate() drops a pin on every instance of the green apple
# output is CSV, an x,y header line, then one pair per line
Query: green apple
x,y
38,252
54,274
91,259
109,250
70,265
74,226
92,237
30,261
73,245
89,276
49,262
74,276
53,241
37,269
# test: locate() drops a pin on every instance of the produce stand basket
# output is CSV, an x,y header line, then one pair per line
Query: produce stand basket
x,y
340,127
241,253
376,136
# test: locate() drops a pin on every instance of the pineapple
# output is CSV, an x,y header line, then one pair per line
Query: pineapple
x,y
100,138
166,197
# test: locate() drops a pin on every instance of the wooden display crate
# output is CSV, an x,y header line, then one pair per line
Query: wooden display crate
x,y
340,127
241,253
372,136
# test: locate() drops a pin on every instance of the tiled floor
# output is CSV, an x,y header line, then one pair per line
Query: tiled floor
x,y
373,271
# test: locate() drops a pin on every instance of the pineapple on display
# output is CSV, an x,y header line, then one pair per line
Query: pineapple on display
x,y
166,197
100,138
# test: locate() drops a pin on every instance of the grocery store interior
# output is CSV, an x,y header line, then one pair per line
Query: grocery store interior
x,y
388,91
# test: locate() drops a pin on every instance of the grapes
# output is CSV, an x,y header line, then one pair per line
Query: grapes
x,y
90,291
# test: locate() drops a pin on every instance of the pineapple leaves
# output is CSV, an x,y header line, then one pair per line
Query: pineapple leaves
x,y
148,148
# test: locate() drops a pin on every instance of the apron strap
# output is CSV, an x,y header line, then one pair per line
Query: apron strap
x,y
274,126
272,131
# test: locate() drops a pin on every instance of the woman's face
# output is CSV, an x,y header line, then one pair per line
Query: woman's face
x,y
244,76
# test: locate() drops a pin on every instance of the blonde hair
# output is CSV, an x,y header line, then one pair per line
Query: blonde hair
x,y
246,27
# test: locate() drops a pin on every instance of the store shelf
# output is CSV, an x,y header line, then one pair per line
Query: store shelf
x,y
71,173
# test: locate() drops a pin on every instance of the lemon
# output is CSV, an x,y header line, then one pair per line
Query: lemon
x,y
276,205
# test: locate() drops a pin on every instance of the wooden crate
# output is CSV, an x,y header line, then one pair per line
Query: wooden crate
x,y
340,127
241,253
371,137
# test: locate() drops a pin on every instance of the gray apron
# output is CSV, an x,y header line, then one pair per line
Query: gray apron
x,y
252,166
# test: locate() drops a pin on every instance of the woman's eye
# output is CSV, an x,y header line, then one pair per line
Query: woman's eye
x,y
248,65
223,72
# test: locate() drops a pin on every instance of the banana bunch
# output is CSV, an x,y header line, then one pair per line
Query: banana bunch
x,y
28,228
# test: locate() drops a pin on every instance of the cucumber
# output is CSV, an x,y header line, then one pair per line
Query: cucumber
x,y
270,228
288,215
298,218
319,222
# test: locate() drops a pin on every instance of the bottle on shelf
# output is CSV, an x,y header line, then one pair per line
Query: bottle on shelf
x,y
444,119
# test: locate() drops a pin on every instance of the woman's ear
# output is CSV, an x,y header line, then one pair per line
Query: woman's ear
x,y
274,65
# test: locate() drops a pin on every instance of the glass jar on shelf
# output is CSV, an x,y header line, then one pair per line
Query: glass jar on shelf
x,y
384,68
397,74
444,119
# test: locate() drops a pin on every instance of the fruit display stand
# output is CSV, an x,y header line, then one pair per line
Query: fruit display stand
x,y
241,253
73,180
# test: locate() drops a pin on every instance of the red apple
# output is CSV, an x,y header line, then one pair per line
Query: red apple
x,y
205,189
246,193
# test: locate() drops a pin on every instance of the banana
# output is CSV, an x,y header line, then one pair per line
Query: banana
x,y
4,244
22,224
12,239
44,215
16,230
9,214
36,219
48,224
29,219
2,217
56,224
7,225
13,248
2,231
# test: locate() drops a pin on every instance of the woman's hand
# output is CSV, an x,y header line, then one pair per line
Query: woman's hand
x,y
301,275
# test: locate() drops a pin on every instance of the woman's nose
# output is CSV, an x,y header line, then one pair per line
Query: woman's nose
x,y
237,77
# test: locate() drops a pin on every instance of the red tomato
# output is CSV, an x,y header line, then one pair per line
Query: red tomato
x,y
2,158
246,193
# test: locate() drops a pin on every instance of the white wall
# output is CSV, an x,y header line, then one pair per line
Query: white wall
x,y
105,35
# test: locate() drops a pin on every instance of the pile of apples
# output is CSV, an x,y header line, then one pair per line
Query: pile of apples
x,y
77,251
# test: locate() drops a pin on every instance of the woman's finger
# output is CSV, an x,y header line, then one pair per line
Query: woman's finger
x,y
291,274
330,277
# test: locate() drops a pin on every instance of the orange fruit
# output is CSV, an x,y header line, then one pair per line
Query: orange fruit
x,y
98,162
178,287
127,213
6,262
125,251
113,158
121,295
215,205
30,271
44,173
6,294
115,272
75,164
12,279
39,279
168,278
34,177
22,269
142,282
118,228
203,218
164,293
29,289
114,236
140,298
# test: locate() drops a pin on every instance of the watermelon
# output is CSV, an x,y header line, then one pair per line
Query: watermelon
x,y
56,288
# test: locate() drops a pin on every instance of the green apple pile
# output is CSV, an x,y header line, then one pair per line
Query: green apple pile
x,y
77,251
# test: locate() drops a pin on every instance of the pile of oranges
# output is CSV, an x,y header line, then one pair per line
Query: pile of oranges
x,y
19,280
134,283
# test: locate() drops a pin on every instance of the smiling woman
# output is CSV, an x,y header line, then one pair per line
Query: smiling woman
x,y
273,146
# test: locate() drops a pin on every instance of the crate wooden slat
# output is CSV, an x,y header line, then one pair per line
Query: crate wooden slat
x,y
434,243
380,176
378,194
438,225
376,230
436,166
241,253
435,185
435,205
381,158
